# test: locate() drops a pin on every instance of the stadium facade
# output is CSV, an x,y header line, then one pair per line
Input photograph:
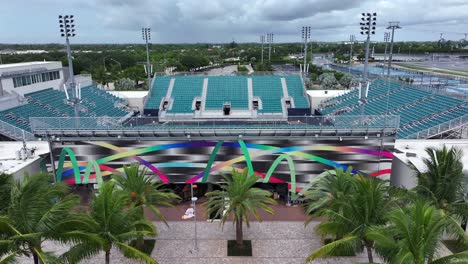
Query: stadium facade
x,y
193,128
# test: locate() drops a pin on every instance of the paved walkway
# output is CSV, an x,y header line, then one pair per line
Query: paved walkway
x,y
273,242
282,212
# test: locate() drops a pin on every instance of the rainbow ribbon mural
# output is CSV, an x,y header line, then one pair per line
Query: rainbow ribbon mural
x,y
75,168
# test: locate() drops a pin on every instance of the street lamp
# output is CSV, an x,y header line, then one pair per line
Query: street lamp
x,y
270,41
305,38
146,35
67,30
194,200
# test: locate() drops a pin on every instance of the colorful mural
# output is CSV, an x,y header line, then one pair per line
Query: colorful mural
x,y
179,161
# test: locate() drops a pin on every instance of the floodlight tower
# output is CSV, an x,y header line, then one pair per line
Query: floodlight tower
x,y
352,39
392,25
386,39
262,40
146,35
67,30
270,41
305,38
367,28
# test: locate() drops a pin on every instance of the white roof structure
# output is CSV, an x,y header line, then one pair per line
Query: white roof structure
x,y
26,64
418,147
8,157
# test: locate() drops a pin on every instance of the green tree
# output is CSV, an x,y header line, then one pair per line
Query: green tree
x,y
239,198
328,189
413,235
136,73
349,218
328,81
6,184
100,75
37,211
443,182
111,224
124,84
142,191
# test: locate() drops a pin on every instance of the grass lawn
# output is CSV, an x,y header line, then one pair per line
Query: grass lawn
x,y
456,73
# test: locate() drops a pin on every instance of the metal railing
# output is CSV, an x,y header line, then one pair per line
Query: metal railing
x,y
256,73
439,129
389,122
15,132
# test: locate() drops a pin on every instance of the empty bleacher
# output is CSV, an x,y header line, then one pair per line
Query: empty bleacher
x,y
223,89
158,91
296,90
185,89
270,90
418,109
52,103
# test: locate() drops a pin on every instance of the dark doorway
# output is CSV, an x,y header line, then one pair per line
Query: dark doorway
x,y
227,109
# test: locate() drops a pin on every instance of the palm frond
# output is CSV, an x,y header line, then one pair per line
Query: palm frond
x,y
133,253
346,245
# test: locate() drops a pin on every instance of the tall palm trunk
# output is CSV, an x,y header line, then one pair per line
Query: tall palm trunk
x,y
107,256
36,258
239,234
369,253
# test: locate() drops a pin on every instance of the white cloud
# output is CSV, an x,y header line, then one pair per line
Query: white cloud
x,y
244,20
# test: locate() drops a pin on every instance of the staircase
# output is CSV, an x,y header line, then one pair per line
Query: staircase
x,y
15,132
452,125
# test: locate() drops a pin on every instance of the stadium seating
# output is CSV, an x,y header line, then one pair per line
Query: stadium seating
x,y
52,103
269,89
296,90
158,91
418,109
184,91
222,89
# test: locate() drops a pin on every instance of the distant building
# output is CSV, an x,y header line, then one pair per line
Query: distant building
x,y
27,77
14,52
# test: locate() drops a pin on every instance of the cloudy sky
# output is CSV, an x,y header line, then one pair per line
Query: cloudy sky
x,y
189,21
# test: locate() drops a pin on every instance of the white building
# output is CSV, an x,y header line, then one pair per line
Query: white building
x,y
408,151
27,77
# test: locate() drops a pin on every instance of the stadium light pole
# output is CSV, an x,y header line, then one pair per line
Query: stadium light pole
x,y
270,41
305,38
367,28
146,35
386,39
392,25
262,40
67,30
352,39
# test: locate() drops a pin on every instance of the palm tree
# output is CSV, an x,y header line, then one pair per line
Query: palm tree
x,y
413,235
335,185
111,224
349,218
37,211
237,199
444,182
142,192
6,184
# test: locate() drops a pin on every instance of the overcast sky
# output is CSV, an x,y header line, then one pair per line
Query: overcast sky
x,y
190,21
